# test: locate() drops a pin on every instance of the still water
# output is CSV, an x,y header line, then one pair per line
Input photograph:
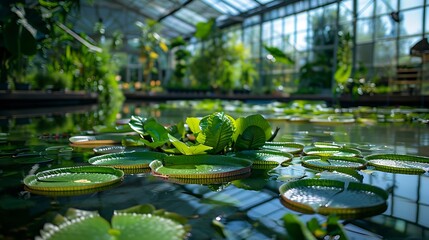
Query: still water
x,y
249,208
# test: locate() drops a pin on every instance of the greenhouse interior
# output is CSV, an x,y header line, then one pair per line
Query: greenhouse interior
x,y
214,119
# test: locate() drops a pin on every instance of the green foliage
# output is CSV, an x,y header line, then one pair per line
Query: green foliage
x,y
344,58
130,223
221,62
189,150
214,134
278,55
153,134
313,230
217,130
204,29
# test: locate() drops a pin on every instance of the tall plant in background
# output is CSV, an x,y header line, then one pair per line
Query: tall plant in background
x,y
151,46
181,56
220,63
344,60
22,27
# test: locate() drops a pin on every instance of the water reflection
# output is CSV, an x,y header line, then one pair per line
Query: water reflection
x,y
249,208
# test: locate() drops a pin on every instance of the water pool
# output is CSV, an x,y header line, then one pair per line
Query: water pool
x,y
249,208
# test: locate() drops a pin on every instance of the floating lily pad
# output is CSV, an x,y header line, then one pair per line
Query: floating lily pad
x,y
332,162
398,163
345,199
108,149
264,157
325,152
139,222
73,178
71,193
333,119
127,160
96,140
290,147
343,174
200,166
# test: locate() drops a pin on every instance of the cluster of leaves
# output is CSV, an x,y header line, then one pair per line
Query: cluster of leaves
x,y
313,230
215,133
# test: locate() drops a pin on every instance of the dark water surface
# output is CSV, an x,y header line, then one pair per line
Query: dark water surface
x,y
249,208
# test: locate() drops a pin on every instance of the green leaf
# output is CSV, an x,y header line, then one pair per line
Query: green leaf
x,y
132,141
137,124
343,73
279,55
194,124
137,222
218,129
252,138
188,150
335,228
203,29
296,229
252,120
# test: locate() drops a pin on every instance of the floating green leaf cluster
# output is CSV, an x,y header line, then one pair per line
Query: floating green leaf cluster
x,y
138,222
215,133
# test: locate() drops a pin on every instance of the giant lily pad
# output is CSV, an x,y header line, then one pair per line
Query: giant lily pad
x,y
200,166
345,199
333,119
139,222
264,157
127,160
325,152
290,147
398,163
332,162
96,140
73,178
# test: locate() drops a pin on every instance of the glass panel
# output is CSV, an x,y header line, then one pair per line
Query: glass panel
x,y
365,53
385,53
330,14
365,8
386,6
301,20
364,30
266,31
427,20
412,22
385,27
404,51
346,10
410,4
173,23
277,27
289,41
222,7
289,23
301,41
242,5
190,16
264,1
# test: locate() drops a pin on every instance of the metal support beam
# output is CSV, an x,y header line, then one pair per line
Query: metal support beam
x,y
175,10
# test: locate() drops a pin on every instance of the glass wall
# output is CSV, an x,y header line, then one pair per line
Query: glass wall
x,y
383,31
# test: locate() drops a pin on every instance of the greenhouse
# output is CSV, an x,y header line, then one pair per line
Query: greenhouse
x,y
214,119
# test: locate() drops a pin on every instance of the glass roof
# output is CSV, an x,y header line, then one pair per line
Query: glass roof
x,y
178,17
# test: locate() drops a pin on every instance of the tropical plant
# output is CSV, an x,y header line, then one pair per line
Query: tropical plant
x,y
23,26
181,54
131,223
215,133
313,229
152,45
221,62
